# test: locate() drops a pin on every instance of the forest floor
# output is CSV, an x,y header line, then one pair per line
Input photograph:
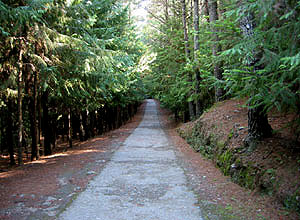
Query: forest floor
x,y
42,189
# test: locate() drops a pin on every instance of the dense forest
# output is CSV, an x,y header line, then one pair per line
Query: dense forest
x,y
68,70
77,68
202,52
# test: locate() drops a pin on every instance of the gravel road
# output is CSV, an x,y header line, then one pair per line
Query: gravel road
x,y
143,181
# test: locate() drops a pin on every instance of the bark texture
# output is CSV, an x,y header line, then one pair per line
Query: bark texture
x,y
46,125
69,129
196,49
20,109
216,48
9,132
187,52
34,125
258,125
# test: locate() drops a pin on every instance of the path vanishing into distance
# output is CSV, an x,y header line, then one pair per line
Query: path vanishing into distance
x,y
142,181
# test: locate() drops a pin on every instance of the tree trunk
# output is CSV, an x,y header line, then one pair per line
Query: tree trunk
x,y
130,110
216,48
117,118
20,110
126,114
9,132
196,49
34,146
191,15
187,53
76,123
100,122
81,128
110,117
53,131
176,115
66,125
69,128
92,123
205,9
167,11
39,109
104,119
85,123
258,125
46,125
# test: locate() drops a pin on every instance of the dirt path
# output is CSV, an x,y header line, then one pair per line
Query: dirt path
x,y
45,189
142,181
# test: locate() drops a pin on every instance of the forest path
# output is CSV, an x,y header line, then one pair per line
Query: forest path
x,y
143,180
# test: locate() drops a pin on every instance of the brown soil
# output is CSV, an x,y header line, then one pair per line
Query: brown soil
x,y
280,153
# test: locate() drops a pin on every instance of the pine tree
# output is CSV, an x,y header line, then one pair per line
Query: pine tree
x,y
216,47
187,51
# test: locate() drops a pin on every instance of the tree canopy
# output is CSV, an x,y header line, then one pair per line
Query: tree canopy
x,y
246,48
79,66
74,55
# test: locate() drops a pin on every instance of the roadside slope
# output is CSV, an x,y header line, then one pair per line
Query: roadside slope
x,y
219,190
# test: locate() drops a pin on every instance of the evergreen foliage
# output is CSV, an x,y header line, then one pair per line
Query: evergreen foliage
x,y
263,68
273,80
78,59
82,55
